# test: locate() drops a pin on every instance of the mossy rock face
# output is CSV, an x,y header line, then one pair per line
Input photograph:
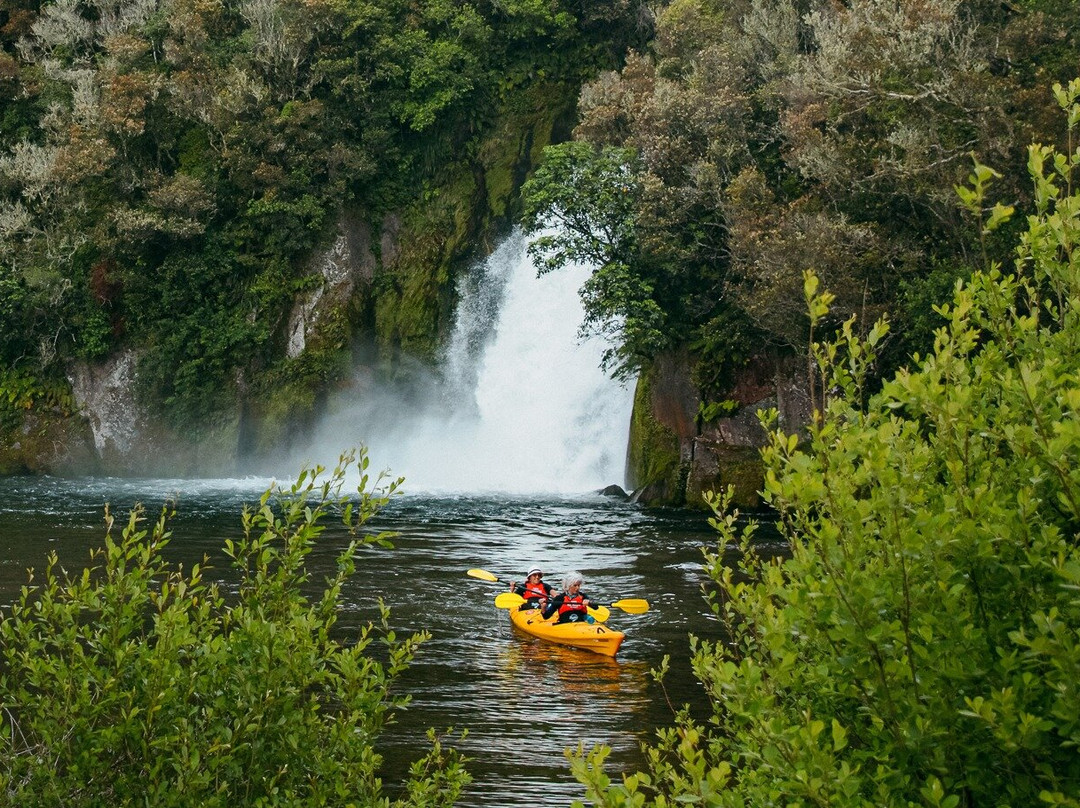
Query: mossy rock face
x,y
48,442
280,414
65,446
412,286
215,453
674,459
653,469
528,125
715,468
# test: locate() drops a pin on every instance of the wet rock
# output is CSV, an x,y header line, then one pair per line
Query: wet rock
x,y
615,491
675,456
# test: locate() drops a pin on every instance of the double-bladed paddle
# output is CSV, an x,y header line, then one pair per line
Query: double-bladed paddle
x,y
506,599
484,575
511,600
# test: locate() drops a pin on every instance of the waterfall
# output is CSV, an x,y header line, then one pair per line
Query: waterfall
x,y
520,404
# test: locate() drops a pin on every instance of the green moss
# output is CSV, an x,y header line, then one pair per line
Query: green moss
x,y
13,456
653,454
290,394
48,441
413,292
735,466
279,411
517,143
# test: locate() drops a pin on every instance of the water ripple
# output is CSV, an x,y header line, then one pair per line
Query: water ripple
x,y
523,701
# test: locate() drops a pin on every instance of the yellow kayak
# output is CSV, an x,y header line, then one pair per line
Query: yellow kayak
x,y
595,637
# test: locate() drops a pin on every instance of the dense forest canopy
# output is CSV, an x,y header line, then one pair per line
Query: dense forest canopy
x,y
166,165
756,139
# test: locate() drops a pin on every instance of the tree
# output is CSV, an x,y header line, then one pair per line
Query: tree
x,y
136,683
584,199
919,645
772,136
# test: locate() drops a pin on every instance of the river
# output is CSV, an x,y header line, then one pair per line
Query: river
x,y
523,702
518,406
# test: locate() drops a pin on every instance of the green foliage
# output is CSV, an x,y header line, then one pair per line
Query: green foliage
x,y
722,345
94,334
16,339
137,683
221,142
919,296
21,392
590,194
716,409
775,137
189,315
919,646
585,198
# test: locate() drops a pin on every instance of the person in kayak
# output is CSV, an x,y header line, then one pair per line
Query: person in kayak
x,y
571,604
534,590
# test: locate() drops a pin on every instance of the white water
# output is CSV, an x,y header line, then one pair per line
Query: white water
x,y
521,405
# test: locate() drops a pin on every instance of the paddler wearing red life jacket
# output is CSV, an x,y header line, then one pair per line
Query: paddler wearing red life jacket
x,y
571,604
534,590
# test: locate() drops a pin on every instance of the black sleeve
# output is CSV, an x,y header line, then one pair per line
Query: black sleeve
x,y
553,606
519,589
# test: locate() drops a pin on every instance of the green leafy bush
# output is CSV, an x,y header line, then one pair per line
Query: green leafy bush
x,y
137,683
707,413
21,392
920,644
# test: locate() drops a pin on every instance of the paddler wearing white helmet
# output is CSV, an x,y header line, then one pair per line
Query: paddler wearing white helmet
x,y
534,590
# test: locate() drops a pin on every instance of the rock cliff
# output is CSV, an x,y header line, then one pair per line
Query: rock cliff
x,y
680,449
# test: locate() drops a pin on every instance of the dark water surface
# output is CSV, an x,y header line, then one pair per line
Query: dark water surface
x,y
523,702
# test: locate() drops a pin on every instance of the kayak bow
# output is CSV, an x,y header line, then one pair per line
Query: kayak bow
x,y
595,637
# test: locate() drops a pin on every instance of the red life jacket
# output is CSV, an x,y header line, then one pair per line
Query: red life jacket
x,y
535,590
572,603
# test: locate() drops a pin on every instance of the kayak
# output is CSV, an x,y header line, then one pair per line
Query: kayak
x,y
595,637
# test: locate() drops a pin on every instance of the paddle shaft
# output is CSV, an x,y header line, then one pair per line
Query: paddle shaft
x,y
628,605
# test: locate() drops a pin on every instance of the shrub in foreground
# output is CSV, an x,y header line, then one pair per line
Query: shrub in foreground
x,y
921,645
134,683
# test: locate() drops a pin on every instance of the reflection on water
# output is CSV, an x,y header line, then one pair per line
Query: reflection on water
x,y
558,697
581,674
523,701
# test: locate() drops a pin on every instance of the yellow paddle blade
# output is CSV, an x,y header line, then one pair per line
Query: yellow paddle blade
x,y
632,605
483,575
600,613
508,600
